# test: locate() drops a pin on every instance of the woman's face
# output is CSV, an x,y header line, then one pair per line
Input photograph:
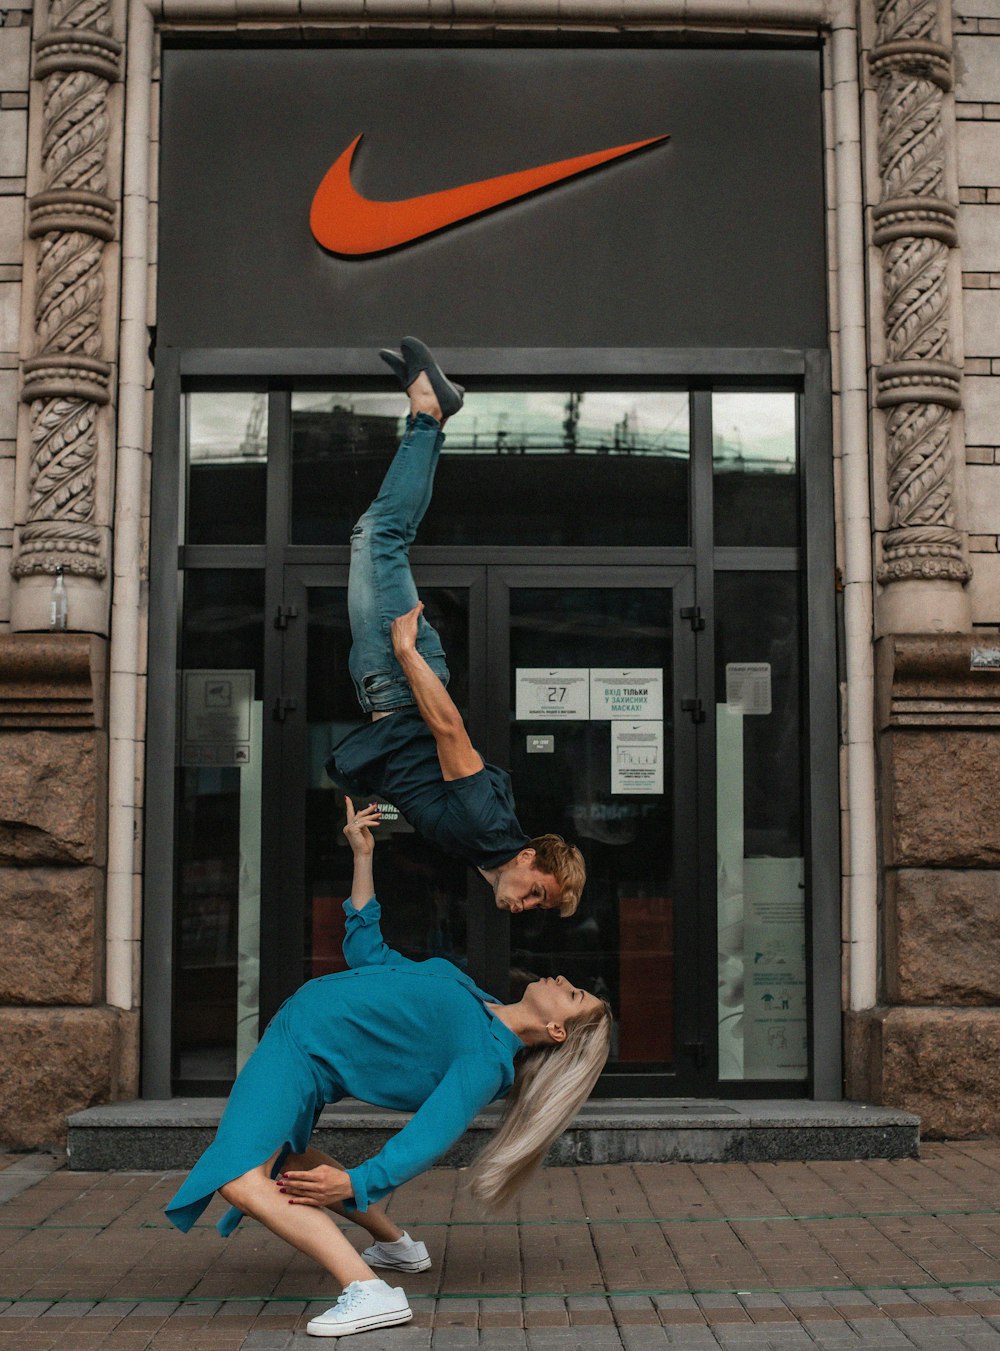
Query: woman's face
x,y
553,1000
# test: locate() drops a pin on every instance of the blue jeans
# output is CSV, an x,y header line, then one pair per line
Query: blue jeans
x,y
381,586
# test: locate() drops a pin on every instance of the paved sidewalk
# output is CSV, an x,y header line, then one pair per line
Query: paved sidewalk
x,y
634,1257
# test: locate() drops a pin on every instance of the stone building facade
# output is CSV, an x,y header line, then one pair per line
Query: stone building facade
x,y
924,1042
911,106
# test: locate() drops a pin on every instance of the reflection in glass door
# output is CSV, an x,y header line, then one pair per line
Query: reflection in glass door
x,y
217,824
616,497
591,756
423,892
596,753
601,768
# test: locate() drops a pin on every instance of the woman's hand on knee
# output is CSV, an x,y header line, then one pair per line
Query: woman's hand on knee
x,y
322,1186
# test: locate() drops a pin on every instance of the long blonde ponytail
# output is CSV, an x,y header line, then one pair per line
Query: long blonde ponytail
x,y
551,1083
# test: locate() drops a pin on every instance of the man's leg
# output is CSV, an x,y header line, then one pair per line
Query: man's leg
x,y
381,585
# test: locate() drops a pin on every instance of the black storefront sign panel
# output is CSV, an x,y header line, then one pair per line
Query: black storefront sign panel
x,y
712,238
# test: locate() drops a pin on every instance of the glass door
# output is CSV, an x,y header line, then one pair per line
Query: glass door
x,y
424,893
591,671
575,680
571,514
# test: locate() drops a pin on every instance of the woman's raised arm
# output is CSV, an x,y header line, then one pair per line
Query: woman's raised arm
x,y
363,941
358,833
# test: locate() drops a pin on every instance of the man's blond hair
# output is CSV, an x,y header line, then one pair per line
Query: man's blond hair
x,y
565,863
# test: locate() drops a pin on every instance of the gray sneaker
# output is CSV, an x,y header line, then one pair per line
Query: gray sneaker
x,y
419,357
416,1258
363,1307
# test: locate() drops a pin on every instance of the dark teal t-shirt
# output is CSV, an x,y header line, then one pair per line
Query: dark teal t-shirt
x,y
396,758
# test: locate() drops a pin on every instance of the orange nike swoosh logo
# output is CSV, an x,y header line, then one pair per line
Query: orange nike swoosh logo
x,y
345,222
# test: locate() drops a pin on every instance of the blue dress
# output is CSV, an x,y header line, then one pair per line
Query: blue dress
x,y
412,1036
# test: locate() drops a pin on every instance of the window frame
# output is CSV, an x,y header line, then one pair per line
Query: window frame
x,y
807,371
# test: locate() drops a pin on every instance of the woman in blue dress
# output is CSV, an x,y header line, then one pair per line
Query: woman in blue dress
x,y
414,1036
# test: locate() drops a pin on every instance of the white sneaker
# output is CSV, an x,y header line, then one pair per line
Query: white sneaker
x,y
364,1306
406,1254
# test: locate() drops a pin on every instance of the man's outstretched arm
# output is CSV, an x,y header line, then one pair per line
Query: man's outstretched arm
x,y
456,753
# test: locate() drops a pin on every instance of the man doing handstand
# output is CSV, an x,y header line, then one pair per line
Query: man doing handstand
x,y
415,751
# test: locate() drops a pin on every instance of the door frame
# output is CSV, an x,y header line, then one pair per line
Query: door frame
x,y
489,586
696,369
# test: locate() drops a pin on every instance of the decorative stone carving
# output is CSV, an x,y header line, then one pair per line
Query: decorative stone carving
x,y
937,680
51,682
919,385
938,711
68,378
915,294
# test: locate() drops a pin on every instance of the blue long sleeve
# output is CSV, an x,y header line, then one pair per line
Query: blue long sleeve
x,y
469,1084
409,1036
363,941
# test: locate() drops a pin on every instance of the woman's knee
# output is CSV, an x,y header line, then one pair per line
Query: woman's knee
x,y
239,1190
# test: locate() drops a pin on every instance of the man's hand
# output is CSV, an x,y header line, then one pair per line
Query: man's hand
x,y
322,1186
404,630
359,828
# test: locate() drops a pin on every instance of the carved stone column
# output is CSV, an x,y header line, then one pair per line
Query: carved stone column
x,y
923,568
68,446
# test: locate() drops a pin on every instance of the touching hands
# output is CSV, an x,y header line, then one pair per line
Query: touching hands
x,y
359,828
320,1186
404,630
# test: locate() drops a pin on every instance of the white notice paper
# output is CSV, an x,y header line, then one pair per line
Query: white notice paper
x,y
544,694
748,686
633,692
774,1024
216,717
636,757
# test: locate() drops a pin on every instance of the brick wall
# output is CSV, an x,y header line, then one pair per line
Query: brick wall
x,y
977,92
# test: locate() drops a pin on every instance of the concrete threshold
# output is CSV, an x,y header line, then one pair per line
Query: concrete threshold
x,y
171,1133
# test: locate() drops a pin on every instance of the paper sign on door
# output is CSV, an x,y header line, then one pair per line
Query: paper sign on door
x,y
547,694
632,692
748,686
216,717
636,757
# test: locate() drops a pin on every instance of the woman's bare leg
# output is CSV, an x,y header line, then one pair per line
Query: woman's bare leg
x,y
307,1228
374,1219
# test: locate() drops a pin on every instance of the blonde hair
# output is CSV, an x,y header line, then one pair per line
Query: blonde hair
x,y
551,1083
565,863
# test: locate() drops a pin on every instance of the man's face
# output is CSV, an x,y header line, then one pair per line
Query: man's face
x,y
521,886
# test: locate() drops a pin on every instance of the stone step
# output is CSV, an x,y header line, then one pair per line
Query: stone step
x,y
171,1133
